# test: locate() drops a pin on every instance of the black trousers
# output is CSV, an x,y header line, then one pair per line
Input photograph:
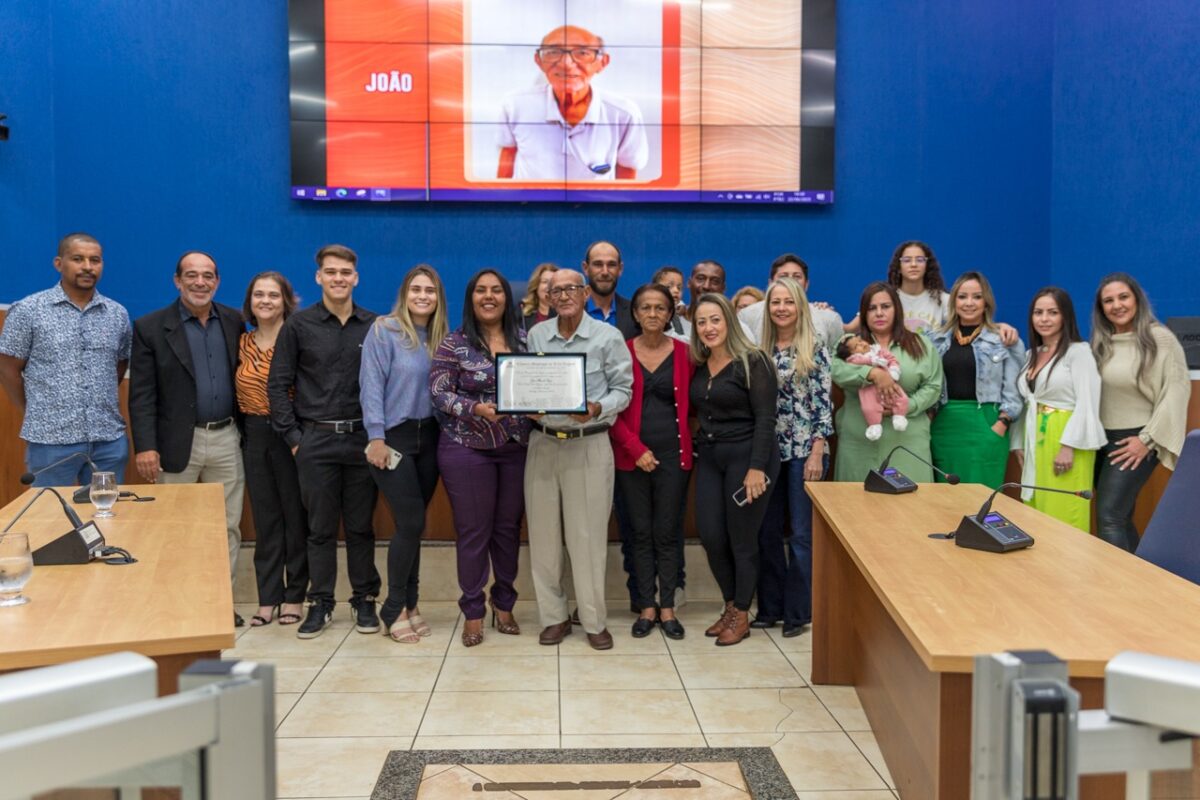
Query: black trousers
x,y
653,502
336,487
407,490
729,532
1117,492
280,521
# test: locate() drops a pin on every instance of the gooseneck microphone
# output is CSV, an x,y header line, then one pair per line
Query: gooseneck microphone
x,y
81,494
995,533
889,480
77,546
1086,494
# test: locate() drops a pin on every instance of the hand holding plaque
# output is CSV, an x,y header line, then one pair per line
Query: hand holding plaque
x,y
541,383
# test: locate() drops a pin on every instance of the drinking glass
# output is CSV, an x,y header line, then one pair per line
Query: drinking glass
x,y
104,493
16,568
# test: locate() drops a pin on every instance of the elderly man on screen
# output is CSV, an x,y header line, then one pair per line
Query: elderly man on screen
x,y
569,130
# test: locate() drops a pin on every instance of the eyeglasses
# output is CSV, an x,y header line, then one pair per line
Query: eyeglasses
x,y
561,291
913,260
580,55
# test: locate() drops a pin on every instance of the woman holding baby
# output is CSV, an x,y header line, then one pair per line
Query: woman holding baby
x,y
891,377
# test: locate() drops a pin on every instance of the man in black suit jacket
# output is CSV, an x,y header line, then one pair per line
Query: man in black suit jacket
x,y
182,396
602,265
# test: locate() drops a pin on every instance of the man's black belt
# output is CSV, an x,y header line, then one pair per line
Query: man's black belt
x,y
338,425
215,426
570,433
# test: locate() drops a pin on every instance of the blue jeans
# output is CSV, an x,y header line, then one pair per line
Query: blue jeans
x,y
108,456
785,563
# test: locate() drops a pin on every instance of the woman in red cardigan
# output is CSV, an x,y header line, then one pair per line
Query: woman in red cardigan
x,y
652,451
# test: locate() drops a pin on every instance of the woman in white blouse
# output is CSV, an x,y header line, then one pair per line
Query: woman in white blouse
x,y
1058,435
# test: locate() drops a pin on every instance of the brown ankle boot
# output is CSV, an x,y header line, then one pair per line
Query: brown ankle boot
x,y
737,629
718,626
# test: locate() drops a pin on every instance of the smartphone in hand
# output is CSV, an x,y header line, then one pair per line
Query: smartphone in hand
x,y
739,496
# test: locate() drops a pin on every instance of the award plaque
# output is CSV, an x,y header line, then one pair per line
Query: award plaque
x,y
541,383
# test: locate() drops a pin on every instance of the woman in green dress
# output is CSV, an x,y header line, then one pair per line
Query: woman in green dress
x,y
920,378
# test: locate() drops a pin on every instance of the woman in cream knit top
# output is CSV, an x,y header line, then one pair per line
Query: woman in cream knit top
x,y
1143,401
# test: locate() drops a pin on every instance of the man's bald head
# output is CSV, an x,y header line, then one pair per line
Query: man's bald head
x,y
572,36
570,57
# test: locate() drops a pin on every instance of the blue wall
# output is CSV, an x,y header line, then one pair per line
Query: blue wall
x,y
983,127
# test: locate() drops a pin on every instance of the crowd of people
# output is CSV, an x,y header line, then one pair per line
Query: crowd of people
x,y
318,411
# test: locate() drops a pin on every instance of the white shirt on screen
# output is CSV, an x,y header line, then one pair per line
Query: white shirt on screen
x,y
611,133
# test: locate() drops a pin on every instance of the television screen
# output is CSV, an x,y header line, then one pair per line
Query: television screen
x,y
728,101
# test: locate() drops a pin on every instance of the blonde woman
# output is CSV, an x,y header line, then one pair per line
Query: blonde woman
x,y
803,424
1143,401
734,391
398,416
535,306
980,399
746,297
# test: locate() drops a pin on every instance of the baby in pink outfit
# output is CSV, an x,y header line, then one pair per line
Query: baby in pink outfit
x,y
856,350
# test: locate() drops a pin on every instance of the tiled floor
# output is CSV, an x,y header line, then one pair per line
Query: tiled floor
x,y
345,699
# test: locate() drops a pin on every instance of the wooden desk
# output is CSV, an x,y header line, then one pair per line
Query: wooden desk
x,y
174,605
902,616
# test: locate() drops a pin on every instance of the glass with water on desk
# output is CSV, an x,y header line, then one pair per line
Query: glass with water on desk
x,y
104,493
16,568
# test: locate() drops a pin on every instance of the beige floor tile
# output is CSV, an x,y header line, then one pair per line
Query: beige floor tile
x,y
760,711
618,672
881,794
586,712
500,644
623,643
274,641
376,645
312,768
728,670
743,739
842,702
326,798
795,644
594,741
491,713
489,673
825,761
802,661
356,714
696,643
536,741
731,786
870,748
729,772
294,673
455,783
284,701
377,675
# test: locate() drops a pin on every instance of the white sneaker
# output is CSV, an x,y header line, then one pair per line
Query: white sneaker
x,y
874,432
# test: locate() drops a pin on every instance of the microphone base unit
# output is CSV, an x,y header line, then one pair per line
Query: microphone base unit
x,y
889,480
995,534
76,546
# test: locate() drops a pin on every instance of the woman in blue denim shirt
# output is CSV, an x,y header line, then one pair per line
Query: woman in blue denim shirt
x,y
980,400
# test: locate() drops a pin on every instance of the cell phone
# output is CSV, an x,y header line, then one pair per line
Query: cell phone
x,y
394,457
739,496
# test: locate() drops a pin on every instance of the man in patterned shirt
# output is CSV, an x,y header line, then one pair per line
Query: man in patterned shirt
x,y
63,352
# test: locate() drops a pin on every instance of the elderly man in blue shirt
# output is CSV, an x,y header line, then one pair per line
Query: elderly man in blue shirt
x,y
569,469
63,353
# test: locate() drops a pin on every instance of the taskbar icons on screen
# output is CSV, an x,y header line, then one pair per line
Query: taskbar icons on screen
x,y
377,195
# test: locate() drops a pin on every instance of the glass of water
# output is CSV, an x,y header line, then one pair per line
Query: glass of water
x,y
16,568
104,493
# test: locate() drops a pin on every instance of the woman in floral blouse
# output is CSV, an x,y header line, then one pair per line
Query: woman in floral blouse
x,y
481,454
804,422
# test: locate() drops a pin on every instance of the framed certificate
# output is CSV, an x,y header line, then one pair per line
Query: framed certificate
x,y
541,383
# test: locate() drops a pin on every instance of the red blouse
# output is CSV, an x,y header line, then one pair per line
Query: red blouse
x,y
625,431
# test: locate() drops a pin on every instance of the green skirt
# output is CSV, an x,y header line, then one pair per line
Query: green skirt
x,y
963,442
1071,510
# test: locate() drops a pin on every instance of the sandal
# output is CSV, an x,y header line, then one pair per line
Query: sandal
x,y
258,620
288,618
402,631
420,625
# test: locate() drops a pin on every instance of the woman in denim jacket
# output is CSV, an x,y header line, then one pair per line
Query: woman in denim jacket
x,y
980,399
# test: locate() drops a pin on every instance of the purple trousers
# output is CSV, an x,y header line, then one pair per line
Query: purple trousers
x,y
487,495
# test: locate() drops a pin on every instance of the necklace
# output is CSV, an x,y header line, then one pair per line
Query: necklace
x,y
966,340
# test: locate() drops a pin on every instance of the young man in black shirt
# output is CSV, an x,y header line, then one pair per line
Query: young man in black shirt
x,y
313,390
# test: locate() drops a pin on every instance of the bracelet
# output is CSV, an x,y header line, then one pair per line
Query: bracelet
x,y
1004,421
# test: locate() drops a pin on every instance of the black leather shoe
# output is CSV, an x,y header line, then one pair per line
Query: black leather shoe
x,y
365,618
763,622
671,628
237,620
642,627
790,630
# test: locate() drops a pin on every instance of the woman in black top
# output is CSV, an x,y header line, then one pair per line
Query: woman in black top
x,y
734,393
